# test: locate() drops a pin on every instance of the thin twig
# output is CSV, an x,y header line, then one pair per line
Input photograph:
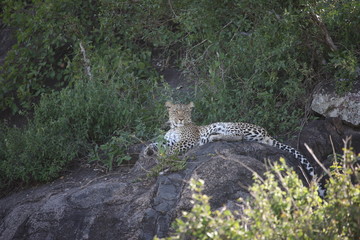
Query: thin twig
x,y
172,9
304,175
333,148
317,160
86,61
328,39
203,41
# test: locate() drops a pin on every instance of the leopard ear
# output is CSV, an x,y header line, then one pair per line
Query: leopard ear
x,y
191,105
168,104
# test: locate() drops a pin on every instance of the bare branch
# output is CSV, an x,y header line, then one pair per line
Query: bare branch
x,y
321,25
317,160
86,61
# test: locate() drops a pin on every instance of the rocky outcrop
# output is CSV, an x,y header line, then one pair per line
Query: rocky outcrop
x,y
325,136
330,104
121,205
125,205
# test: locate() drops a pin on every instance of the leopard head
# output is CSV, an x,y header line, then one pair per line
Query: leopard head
x,y
179,114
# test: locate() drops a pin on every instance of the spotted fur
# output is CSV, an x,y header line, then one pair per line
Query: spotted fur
x,y
184,135
251,132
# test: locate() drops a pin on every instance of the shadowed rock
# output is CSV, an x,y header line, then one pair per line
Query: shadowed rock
x,y
119,205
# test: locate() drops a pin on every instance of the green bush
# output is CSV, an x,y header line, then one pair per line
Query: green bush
x,y
255,61
282,208
47,33
70,123
263,81
113,152
90,116
262,60
36,153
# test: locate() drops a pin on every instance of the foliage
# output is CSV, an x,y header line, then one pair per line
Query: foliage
x,y
282,208
47,33
264,78
111,153
342,20
35,153
263,57
254,61
262,60
347,70
69,123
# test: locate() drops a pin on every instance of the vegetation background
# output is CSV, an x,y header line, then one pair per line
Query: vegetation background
x,y
253,61
86,76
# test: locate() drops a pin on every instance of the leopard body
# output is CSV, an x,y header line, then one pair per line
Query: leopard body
x,y
184,134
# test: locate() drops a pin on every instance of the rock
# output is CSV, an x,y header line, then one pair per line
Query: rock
x,y
325,136
329,104
123,205
102,207
120,206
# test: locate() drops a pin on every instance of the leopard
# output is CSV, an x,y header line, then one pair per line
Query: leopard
x,y
184,135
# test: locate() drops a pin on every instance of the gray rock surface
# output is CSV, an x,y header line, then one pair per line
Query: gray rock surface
x,y
329,104
123,205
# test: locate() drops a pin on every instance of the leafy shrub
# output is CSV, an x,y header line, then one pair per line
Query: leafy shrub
x,y
341,19
89,115
347,70
36,153
282,208
262,62
254,61
262,81
70,123
259,61
47,32
112,153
